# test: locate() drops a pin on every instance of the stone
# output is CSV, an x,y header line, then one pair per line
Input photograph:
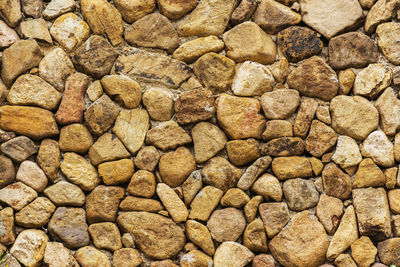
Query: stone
x,y
20,57
70,31
247,41
7,236
208,140
30,174
200,236
346,80
353,116
244,11
154,31
393,196
396,147
204,203
323,17
280,104
372,80
291,167
208,18
323,114
167,135
368,175
387,251
32,8
387,33
367,4
263,260
108,147
215,71
336,183
378,147
7,35
10,11
254,237
329,211
251,208
175,10
144,66
132,10
344,260
123,89
253,172
127,257
388,106
35,29
363,251
304,117
220,173
147,158
235,197
396,225
65,194
194,105
89,256
191,186
370,223
100,116
7,171
94,91
29,247
320,139
316,165
72,103
242,152
195,258
345,235
298,43
105,236
17,195
314,78
304,236
95,56
116,172
79,171
176,166
277,128
390,175
102,203
300,194
10,261
159,104
36,214
75,138
347,153
174,205
49,158
140,204
226,224
19,148
192,50
352,50
232,254
156,236
381,11
268,186
58,7
58,255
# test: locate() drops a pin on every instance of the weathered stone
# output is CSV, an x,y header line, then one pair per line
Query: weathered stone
x,y
58,7
174,205
19,148
371,81
242,152
300,194
7,35
264,260
329,211
346,81
156,236
195,258
363,251
352,50
291,167
100,116
251,208
7,171
7,235
254,237
268,186
127,257
232,254
353,116
89,256
367,4
378,147
387,34
277,128
316,165
36,214
108,147
396,225
58,255
394,203
381,11
32,8
239,117
49,158
200,236
29,247
226,224
10,11
253,172
116,172
192,186
345,260
280,104
75,138
147,158
368,175
388,106
204,203
105,236
167,135
304,117
94,90
391,176
175,10
154,31
192,50
367,202
32,175
159,104
132,10
65,194
140,204
17,195
347,153
220,173
336,182
35,29
244,11
387,251
234,197
321,139
194,105
123,89
304,236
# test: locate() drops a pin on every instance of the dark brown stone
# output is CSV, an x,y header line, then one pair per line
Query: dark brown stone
x,y
19,148
283,146
244,11
336,183
7,171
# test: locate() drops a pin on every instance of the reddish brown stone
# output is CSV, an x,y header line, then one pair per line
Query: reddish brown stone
x,y
195,105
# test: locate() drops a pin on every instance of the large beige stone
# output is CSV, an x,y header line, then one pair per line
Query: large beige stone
x,y
65,194
36,214
280,104
275,216
56,255
199,234
17,195
159,104
10,11
291,167
320,139
174,205
89,256
29,247
58,7
192,50
378,147
388,106
220,173
372,80
329,211
49,158
387,34
381,11
363,251
368,175
226,224
108,147
123,89
167,135
232,254
204,203
347,153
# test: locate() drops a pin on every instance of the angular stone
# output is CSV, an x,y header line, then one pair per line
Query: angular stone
x,y
29,247
232,254
89,256
304,117
94,90
105,236
17,195
208,140
123,89
390,175
116,172
387,34
254,237
7,235
235,197
371,81
323,16
147,158
195,258
388,251
321,139
220,173
264,260
70,31
103,18
35,29
144,66
352,50
268,186
393,196
226,224
388,106
132,10
304,236
140,204
280,104
316,165
300,194
10,11
58,7
192,50
275,216
291,167
353,116
244,11
126,256
347,153
251,208
36,214
100,116
314,78
381,11
175,10
75,138
378,147
323,114
336,182
208,18
367,202
20,57
32,8
107,148
167,135
79,171
174,205
253,172
345,260
242,152
30,174
368,175
65,194
49,158
396,225
329,211
277,128
7,171
240,117
215,71
72,103
19,148
367,4
194,105
363,251
159,104
102,203
192,186
156,236
204,203
298,43
154,31
7,35
58,255
346,81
